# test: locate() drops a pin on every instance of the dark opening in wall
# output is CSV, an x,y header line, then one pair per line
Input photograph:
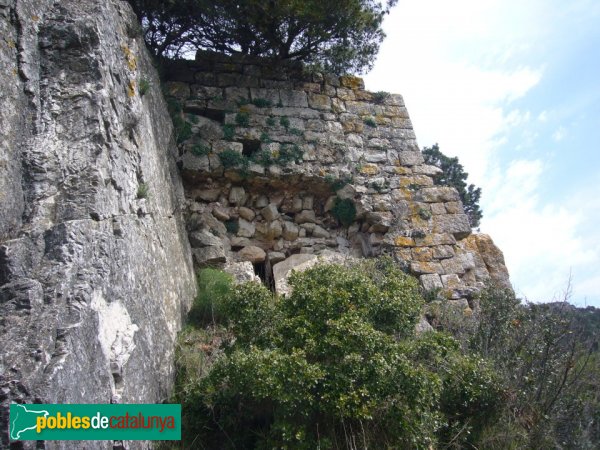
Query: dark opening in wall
x,y
250,147
265,273
213,114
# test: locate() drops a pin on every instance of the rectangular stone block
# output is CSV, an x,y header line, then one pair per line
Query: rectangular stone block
x,y
438,194
293,99
318,101
455,224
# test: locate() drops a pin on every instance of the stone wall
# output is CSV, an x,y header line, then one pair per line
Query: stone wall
x,y
267,150
95,266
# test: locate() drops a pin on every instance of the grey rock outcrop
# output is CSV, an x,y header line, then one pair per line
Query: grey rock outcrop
x,y
95,266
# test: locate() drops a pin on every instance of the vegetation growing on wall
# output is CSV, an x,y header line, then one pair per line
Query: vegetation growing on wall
x,y
340,35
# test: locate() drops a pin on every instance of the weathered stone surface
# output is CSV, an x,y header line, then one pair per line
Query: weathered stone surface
x,y
481,245
246,213
431,282
438,194
290,231
455,224
221,214
252,253
306,216
245,228
237,195
270,212
242,271
94,278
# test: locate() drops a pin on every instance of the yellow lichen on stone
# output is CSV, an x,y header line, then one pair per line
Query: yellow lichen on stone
x,y
402,170
380,120
129,57
244,109
131,88
403,241
10,43
351,82
369,169
322,172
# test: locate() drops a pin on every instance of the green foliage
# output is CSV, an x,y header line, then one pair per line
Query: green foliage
x,y
143,87
230,159
290,153
242,119
344,211
262,103
270,121
338,183
142,190
380,97
284,121
337,36
264,137
228,131
213,286
296,132
424,214
200,150
369,121
182,128
453,174
264,158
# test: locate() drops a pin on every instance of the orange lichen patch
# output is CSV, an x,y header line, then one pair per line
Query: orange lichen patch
x,y
422,254
322,172
402,170
10,43
352,82
364,96
35,18
244,109
369,169
419,222
381,120
403,241
131,88
406,181
129,57
401,194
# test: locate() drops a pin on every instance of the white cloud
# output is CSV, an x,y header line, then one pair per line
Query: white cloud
x,y
559,134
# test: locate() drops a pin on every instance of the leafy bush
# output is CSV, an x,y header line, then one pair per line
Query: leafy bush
x,y
213,287
264,137
284,122
369,121
200,150
290,153
344,211
334,364
380,97
230,158
270,121
242,119
261,103
263,157
296,132
228,131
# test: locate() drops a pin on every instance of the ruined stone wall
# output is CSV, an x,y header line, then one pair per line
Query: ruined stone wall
x,y
95,266
267,150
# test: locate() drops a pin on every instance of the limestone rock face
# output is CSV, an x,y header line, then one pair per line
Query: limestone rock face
x,y
95,265
489,260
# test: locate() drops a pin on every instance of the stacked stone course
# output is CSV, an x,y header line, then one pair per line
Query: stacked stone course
x,y
355,145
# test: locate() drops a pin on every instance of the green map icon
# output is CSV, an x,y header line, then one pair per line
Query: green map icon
x,y
24,418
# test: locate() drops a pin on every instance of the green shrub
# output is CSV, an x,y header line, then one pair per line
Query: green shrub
x,y
142,190
200,150
380,97
228,131
143,87
242,119
369,121
296,132
263,157
230,158
290,153
344,211
270,121
182,128
213,286
261,103
424,214
284,121
264,137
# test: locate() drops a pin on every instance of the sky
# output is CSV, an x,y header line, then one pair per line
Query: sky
x,y
512,88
